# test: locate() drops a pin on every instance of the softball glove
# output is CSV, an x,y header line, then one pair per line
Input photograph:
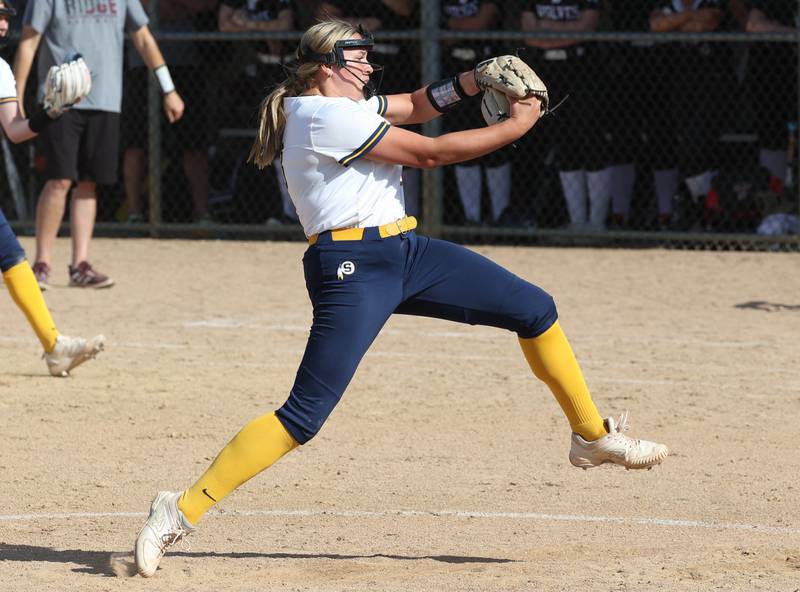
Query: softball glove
x,y
66,84
513,77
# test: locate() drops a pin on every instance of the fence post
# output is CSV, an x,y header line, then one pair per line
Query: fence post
x,y
154,137
797,89
430,54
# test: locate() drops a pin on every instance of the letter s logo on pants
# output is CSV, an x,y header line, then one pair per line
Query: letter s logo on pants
x,y
345,268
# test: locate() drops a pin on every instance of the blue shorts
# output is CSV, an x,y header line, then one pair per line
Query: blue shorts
x,y
356,285
11,252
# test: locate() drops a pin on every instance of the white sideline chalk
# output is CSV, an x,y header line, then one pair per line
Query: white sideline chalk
x,y
533,516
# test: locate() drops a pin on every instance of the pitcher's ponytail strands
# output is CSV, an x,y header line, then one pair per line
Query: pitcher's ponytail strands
x,y
271,121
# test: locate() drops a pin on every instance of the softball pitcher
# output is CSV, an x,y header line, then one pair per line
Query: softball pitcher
x,y
343,157
62,353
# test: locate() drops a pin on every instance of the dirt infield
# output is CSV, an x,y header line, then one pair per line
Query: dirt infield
x,y
445,466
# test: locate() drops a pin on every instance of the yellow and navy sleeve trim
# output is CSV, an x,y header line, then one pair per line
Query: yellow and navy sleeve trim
x,y
8,100
368,145
383,104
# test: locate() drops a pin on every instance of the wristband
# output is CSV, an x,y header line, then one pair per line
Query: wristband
x,y
39,120
445,94
164,79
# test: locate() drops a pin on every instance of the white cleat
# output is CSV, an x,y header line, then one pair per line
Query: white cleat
x,y
616,448
164,527
71,352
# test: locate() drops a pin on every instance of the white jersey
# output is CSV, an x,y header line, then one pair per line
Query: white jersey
x,y
330,184
8,86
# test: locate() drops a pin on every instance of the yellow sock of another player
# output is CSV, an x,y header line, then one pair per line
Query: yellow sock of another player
x,y
553,362
26,293
256,447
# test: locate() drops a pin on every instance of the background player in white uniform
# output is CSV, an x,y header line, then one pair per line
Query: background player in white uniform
x,y
62,353
343,160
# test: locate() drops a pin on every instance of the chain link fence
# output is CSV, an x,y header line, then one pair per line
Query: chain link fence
x,y
665,137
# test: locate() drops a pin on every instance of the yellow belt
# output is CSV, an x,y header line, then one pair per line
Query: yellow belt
x,y
356,234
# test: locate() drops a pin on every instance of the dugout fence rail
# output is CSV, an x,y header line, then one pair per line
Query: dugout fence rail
x,y
621,100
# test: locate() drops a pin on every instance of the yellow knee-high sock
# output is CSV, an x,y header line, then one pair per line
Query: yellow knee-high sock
x,y
256,447
553,362
26,293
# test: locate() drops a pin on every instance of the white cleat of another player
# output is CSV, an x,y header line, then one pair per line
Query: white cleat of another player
x,y
71,352
616,448
164,527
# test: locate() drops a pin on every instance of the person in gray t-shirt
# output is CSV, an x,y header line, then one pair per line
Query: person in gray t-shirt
x,y
82,147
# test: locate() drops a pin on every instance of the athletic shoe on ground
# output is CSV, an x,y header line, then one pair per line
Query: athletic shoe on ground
x,y
41,271
164,527
616,448
71,352
83,276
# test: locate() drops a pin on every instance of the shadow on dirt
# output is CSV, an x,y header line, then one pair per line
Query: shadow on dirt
x,y
768,306
121,564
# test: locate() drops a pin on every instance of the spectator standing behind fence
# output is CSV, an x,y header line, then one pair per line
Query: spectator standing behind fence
x,y
772,76
82,147
399,59
458,55
190,132
685,136
260,64
569,67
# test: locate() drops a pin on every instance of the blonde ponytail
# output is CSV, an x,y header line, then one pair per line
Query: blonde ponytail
x,y
271,121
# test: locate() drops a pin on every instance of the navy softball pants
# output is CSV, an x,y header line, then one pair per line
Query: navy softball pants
x,y
355,286
11,252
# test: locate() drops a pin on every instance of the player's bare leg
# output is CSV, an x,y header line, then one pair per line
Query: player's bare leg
x,y
82,215
49,213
